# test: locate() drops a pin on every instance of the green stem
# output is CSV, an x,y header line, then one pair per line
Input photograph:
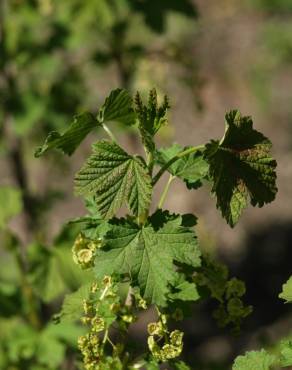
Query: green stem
x,y
104,293
165,191
106,338
174,159
150,162
109,132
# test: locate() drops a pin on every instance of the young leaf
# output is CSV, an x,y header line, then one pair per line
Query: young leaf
x,y
151,117
115,178
286,293
191,168
72,137
117,107
147,254
255,360
241,168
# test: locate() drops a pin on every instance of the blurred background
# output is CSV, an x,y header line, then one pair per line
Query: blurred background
x,y
59,58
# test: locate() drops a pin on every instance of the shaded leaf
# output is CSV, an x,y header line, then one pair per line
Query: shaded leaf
x,y
186,291
241,168
191,168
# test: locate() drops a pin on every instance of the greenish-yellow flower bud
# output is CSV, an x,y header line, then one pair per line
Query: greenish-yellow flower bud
x,y
97,324
128,318
155,328
176,338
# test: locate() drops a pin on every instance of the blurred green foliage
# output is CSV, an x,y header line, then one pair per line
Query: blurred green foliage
x,y
52,51
275,6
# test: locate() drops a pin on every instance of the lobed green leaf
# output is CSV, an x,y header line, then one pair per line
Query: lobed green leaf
x,y
255,360
115,178
147,254
241,168
118,107
67,142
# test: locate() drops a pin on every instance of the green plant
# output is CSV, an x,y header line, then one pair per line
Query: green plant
x,y
279,355
153,259
46,75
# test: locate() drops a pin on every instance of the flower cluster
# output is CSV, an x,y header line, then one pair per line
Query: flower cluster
x,y
173,342
84,251
90,349
101,310
232,310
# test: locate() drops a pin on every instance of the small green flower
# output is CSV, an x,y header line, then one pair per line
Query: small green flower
x,y
82,341
85,320
176,338
128,318
171,349
153,347
155,328
84,256
107,281
94,287
84,251
98,324
142,303
87,307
